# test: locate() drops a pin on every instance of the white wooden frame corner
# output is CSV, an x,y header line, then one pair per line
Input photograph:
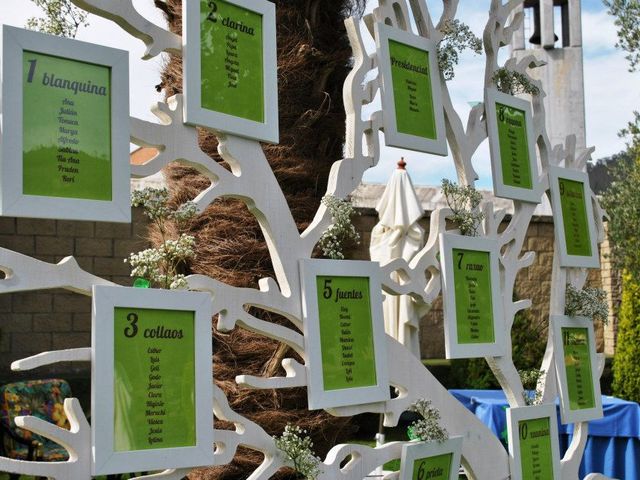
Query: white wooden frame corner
x,y
107,461
448,242
194,113
566,260
518,414
393,137
13,202
493,96
319,398
557,323
414,451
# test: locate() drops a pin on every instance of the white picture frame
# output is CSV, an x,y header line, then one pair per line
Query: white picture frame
x,y
519,414
416,451
13,202
453,347
568,415
567,259
319,396
533,195
393,137
105,459
194,113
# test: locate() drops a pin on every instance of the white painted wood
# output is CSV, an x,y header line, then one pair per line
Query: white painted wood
x,y
13,202
194,113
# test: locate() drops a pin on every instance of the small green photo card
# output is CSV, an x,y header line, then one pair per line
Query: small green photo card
x,y
533,442
471,290
431,460
576,368
344,333
65,145
512,144
411,91
152,385
230,76
574,222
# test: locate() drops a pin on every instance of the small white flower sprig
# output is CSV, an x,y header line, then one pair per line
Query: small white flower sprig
x,y
342,231
464,203
160,265
298,447
428,428
588,302
529,380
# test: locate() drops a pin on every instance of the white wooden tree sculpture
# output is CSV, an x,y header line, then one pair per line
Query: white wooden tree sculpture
x,y
252,181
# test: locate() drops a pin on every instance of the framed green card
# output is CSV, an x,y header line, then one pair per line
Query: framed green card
x,y
514,164
230,67
431,460
65,138
576,368
533,442
411,91
152,383
344,333
473,318
574,222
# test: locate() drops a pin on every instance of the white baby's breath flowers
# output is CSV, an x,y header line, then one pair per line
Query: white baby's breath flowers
x,y
333,240
588,302
464,202
428,428
298,448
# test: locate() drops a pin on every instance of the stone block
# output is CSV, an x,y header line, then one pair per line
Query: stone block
x,y
54,246
15,322
81,322
112,230
32,302
75,228
94,247
7,225
71,303
122,248
110,267
24,244
71,340
30,342
52,322
35,226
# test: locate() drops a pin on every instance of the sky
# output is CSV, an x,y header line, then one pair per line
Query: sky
x,y
611,92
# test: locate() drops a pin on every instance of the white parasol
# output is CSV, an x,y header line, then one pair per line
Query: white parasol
x,y
396,235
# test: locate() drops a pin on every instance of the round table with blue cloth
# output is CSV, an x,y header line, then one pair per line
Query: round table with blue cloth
x,y
613,447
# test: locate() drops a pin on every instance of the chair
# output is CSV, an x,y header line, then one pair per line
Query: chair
x,y
40,398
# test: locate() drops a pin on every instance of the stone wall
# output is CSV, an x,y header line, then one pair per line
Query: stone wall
x,y
33,322
533,282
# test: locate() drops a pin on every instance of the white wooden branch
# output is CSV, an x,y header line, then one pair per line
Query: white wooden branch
x,y
296,377
363,460
23,273
49,358
123,13
171,474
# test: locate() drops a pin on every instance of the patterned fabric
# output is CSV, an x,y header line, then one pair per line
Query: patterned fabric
x,y
41,398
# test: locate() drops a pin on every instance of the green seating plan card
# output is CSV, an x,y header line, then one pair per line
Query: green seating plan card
x,y
412,93
66,128
346,332
577,362
433,468
154,379
514,146
536,456
574,216
231,43
473,296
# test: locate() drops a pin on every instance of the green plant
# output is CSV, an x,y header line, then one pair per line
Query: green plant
x,y
298,448
457,38
627,13
529,380
342,231
61,18
588,302
160,266
513,83
464,202
626,368
428,428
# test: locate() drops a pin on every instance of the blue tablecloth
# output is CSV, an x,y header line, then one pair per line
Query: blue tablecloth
x,y
613,447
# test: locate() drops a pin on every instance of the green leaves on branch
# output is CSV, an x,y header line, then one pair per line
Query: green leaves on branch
x,y
464,202
61,18
627,13
457,38
588,302
342,232
529,379
513,83
428,428
298,448
161,266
